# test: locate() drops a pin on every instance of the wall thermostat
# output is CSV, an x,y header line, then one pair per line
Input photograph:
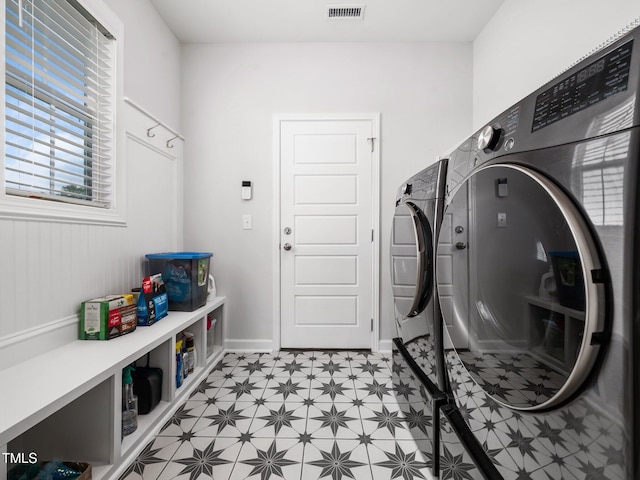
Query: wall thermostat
x,y
246,190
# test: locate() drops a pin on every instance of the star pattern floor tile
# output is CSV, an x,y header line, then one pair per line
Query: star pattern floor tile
x,y
295,415
580,441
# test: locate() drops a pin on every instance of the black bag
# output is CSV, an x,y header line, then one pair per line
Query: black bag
x,y
147,385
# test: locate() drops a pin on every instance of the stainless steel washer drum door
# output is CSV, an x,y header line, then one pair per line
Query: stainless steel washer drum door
x,y
532,301
411,260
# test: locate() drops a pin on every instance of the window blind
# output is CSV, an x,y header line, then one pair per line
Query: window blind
x,y
600,164
58,103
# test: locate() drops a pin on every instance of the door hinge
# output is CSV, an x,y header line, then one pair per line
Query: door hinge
x,y
372,324
373,141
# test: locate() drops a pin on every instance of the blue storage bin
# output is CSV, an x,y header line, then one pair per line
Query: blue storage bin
x,y
185,275
567,271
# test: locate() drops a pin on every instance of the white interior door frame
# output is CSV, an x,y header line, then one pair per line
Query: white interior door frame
x,y
278,120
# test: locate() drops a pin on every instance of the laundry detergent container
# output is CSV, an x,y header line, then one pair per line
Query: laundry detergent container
x,y
185,276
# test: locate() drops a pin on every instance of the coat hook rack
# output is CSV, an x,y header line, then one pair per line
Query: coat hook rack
x,y
169,144
151,135
158,123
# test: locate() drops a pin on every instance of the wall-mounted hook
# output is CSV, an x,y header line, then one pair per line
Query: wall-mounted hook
x,y
151,135
158,123
169,144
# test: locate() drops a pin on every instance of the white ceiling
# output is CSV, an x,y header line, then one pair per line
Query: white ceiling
x,y
213,21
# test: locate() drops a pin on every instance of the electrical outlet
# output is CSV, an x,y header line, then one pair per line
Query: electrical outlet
x,y
247,222
502,220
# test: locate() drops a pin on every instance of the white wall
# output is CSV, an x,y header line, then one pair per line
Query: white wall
x,y
230,93
526,44
47,268
152,60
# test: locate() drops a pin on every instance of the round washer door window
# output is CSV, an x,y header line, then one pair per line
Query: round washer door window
x,y
411,260
533,303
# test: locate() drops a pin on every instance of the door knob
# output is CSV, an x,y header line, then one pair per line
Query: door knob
x,y
461,245
287,246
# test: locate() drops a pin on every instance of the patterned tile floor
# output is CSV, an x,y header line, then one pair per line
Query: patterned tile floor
x,y
302,415
514,378
579,441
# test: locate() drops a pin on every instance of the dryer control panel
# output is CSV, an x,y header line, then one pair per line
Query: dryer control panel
x,y
601,87
500,133
597,95
590,85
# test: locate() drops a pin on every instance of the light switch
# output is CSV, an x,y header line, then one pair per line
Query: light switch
x,y
502,220
247,222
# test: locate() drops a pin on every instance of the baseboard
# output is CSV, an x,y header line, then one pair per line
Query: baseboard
x,y
499,346
385,346
257,346
25,344
265,346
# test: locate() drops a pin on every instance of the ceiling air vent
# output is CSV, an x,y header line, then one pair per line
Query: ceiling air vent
x,y
344,12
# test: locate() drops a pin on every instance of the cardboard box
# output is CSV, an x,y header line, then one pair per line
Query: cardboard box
x,y
153,303
108,317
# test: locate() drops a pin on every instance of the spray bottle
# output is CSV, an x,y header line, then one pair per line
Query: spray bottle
x,y
191,350
129,403
179,364
548,290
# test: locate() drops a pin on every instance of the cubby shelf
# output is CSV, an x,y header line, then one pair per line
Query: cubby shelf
x,y
555,346
66,403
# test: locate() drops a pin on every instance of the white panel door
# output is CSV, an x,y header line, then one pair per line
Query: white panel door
x,y
326,222
453,271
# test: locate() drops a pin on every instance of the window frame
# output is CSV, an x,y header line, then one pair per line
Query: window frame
x,y
18,207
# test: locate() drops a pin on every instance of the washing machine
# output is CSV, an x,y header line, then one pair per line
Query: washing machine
x,y
418,352
538,278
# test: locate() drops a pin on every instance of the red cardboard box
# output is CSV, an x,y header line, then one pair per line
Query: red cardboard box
x,y
108,317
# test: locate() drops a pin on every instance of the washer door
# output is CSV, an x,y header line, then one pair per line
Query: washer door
x,y
411,260
534,307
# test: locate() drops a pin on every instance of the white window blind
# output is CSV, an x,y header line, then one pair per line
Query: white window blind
x,y
58,103
600,164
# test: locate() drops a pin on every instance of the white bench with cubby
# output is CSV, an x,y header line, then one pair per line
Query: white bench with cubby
x,y
66,403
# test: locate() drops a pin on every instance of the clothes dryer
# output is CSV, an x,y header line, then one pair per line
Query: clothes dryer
x,y
418,352
546,382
